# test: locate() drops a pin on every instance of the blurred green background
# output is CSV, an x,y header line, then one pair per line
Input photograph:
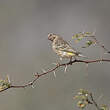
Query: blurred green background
x,y
24,49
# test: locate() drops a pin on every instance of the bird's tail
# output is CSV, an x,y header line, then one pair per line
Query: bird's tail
x,y
81,55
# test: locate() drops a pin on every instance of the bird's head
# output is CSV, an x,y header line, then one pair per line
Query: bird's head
x,y
51,36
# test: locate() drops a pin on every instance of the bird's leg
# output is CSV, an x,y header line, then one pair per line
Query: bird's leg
x,y
70,61
75,58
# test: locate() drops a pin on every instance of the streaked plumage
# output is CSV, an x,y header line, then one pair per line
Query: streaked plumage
x,y
61,47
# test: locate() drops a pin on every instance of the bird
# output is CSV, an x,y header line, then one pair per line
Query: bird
x,y
62,48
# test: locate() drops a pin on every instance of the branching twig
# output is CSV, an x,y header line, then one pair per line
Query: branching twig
x,y
37,76
92,36
99,43
94,102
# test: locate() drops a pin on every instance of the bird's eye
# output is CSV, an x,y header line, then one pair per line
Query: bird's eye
x,y
50,34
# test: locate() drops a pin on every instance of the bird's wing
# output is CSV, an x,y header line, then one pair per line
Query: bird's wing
x,y
64,46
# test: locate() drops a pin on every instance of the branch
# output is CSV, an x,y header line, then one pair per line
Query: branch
x,y
37,75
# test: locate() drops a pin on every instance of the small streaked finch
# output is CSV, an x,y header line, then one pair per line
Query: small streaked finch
x,y
62,48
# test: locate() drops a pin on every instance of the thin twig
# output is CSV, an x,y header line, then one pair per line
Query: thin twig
x,y
94,102
99,43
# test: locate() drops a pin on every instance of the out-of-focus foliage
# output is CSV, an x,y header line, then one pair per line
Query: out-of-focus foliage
x,y
5,83
85,98
88,43
81,35
104,107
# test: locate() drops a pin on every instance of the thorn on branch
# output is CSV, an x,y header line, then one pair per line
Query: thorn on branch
x,y
32,86
65,68
54,74
30,83
36,74
44,71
